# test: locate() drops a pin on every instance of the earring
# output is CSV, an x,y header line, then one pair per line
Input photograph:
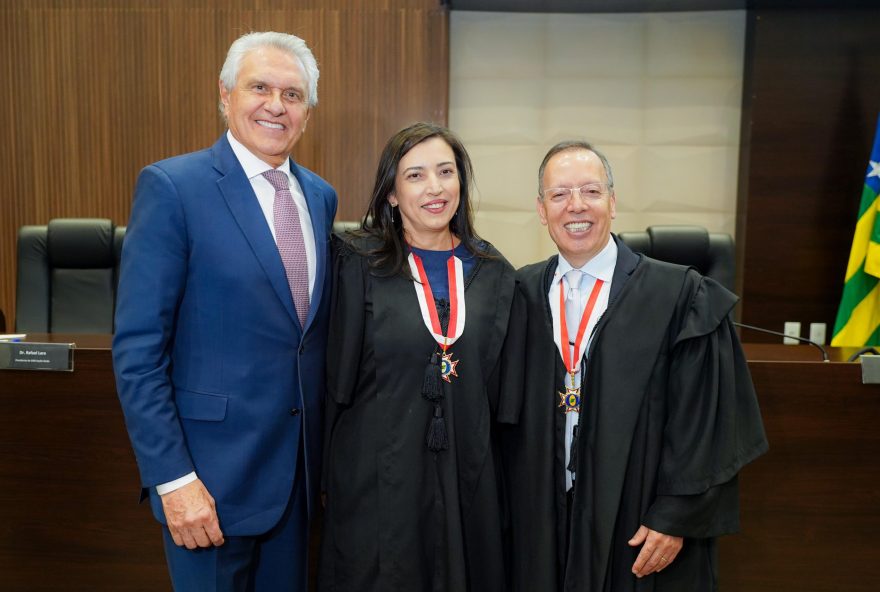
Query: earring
x,y
393,207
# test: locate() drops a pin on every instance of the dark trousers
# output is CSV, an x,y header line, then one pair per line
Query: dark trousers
x,y
273,561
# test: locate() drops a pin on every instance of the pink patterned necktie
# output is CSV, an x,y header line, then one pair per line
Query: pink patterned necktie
x,y
291,245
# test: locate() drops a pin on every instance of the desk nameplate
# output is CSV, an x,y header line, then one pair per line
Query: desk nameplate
x,y
20,355
870,369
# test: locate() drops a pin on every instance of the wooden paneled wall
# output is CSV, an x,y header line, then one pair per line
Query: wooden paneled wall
x,y
94,90
811,102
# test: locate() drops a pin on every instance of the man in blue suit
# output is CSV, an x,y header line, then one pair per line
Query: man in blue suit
x,y
221,330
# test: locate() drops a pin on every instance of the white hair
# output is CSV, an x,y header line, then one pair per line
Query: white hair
x,y
291,44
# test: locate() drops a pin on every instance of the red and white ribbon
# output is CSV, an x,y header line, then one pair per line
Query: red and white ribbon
x,y
457,313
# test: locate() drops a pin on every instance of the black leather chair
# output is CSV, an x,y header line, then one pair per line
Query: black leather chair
x,y
340,226
712,254
67,276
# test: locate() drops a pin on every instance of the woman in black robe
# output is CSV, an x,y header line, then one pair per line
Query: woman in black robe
x,y
414,383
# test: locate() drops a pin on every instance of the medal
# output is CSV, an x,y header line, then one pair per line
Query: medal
x,y
447,367
441,367
457,312
571,398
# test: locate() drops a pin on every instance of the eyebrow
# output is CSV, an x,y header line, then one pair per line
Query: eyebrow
x,y
420,167
254,81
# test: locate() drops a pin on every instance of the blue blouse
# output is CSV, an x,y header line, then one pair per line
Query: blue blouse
x,y
434,263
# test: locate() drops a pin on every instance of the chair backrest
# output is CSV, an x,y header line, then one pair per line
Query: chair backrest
x,y
340,226
712,254
67,275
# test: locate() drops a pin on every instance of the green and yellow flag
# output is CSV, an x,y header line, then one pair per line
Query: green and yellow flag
x,y
858,318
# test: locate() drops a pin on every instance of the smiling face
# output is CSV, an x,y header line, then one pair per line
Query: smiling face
x,y
267,109
580,228
426,189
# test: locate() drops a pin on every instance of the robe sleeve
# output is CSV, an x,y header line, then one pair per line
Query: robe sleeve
x,y
513,362
346,332
345,337
713,427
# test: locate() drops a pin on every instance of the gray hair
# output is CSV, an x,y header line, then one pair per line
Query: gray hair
x,y
571,145
291,44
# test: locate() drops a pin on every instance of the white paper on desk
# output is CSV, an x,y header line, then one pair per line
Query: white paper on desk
x,y
12,336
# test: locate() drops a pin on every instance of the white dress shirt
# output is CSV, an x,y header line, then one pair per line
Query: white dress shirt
x,y
599,267
254,169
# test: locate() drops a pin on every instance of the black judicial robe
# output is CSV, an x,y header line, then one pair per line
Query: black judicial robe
x,y
398,516
669,416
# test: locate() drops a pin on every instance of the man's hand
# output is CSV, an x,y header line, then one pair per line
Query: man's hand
x,y
658,552
192,516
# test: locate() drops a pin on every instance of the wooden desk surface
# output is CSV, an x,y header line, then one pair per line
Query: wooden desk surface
x,y
777,352
69,484
809,506
82,341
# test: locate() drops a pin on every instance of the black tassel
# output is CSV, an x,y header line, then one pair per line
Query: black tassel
x,y
431,388
573,451
437,439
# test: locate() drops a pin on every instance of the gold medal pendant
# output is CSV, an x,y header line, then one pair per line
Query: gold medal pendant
x,y
570,399
447,367
572,351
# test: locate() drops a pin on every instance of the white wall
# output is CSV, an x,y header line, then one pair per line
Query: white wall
x,y
660,94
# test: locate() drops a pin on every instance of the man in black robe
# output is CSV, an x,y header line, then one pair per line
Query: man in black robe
x,y
622,466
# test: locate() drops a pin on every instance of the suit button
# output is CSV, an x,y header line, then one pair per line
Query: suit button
x,y
294,411
302,349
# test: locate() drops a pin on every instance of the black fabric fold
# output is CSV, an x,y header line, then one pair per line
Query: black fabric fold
x,y
668,418
403,513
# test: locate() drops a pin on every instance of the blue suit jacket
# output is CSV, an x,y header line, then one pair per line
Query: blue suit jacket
x,y
213,370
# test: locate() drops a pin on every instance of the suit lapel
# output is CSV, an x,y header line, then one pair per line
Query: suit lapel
x,y
239,196
547,277
319,229
623,269
608,450
620,410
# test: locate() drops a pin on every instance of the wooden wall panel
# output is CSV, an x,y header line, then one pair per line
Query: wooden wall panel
x,y
96,89
812,97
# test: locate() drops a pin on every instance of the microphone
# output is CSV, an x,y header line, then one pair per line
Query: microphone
x,y
780,334
861,352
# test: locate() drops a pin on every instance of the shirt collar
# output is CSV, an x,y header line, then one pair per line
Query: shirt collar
x,y
601,266
252,165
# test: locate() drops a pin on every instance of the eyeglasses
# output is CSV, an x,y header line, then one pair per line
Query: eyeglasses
x,y
589,193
